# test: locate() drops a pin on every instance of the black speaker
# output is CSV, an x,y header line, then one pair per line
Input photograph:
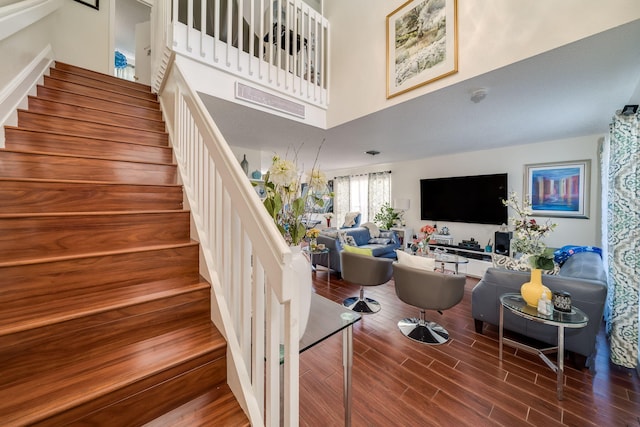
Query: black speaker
x,y
503,242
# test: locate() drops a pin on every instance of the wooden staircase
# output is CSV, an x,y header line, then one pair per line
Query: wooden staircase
x,y
104,318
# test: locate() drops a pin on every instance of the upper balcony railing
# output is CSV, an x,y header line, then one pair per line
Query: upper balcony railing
x,y
282,44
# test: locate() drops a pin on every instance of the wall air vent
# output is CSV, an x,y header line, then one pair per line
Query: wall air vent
x,y
259,97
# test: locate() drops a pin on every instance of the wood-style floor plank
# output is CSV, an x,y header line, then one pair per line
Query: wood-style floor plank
x,y
400,382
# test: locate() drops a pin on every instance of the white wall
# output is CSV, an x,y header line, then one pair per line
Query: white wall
x,y
406,184
254,158
492,34
21,48
81,36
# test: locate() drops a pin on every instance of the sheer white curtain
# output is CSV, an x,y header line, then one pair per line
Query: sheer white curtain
x,y
363,193
360,196
379,192
341,199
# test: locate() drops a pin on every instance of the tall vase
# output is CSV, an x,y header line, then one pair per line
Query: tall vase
x,y
302,285
533,289
245,165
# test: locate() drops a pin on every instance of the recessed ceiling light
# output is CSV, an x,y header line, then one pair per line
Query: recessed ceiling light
x,y
372,152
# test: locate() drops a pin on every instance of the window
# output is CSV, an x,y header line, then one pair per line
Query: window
x,y
361,193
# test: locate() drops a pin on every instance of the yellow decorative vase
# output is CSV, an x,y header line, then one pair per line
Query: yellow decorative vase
x,y
532,290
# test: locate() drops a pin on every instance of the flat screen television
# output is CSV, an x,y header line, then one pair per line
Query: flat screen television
x,y
474,199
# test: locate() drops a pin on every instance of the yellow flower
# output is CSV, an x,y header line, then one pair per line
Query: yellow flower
x,y
313,233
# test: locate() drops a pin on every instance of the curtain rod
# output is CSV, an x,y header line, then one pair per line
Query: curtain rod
x,y
360,174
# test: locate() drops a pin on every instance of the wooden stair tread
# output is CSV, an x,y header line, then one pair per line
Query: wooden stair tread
x,y
150,187
41,166
106,91
73,156
85,100
57,143
215,408
96,74
94,125
93,254
91,377
99,93
103,116
54,308
99,81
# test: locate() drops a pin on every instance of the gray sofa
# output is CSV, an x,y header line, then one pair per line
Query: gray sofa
x,y
582,275
362,238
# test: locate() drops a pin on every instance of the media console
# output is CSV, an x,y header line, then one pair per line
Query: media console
x,y
470,253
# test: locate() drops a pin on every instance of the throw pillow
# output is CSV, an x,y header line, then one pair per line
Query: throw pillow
x,y
374,231
357,250
391,235
379,241
342,235
415,261
349,240
508,263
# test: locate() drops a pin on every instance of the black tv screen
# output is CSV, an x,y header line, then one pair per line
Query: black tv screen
x,y
474,199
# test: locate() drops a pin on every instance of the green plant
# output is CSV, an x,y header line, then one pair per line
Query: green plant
x,y
387,217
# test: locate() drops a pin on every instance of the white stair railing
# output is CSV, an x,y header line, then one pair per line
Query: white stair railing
x,y
287,52
247,261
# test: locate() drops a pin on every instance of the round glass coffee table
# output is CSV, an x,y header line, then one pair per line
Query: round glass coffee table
x,y
574,319
446,258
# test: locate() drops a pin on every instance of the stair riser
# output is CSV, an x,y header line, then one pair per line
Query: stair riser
x,y
100,273
98,103
104,77
149,399
43,122
99,83
53,143
38,105
99,93
47,196
61,344
127,370
37,166
37,237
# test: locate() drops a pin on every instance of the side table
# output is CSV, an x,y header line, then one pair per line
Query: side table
x,y
574,319
312,253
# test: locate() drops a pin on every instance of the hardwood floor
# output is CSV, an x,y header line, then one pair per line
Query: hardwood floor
x,y
397,382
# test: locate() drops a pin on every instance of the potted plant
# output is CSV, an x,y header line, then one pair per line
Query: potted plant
x,y
387,217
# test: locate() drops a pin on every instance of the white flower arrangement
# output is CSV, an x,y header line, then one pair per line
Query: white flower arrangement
x,y
284,200
529,234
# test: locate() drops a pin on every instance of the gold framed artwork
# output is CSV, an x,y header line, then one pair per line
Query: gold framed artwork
x,y
422,44
558,189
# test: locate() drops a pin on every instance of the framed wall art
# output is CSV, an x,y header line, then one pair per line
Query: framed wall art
x,y
422,44
558,189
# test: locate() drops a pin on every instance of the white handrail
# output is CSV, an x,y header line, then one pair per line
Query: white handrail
x,y
248,262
